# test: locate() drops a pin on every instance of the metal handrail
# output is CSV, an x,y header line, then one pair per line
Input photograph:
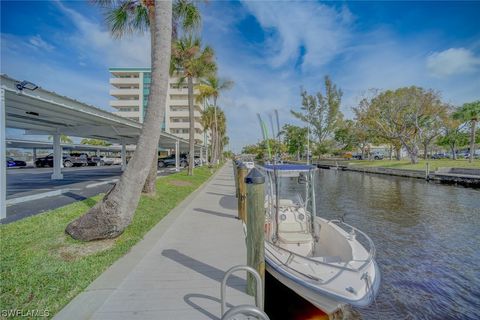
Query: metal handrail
x,y
258,282
245,309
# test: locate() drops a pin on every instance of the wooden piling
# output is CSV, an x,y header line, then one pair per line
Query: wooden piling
x,y
235,176
255,183
242,192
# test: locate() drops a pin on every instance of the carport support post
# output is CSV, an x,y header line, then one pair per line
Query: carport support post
x,y
34,155
124,155
177,155
97,153
3,154
57,158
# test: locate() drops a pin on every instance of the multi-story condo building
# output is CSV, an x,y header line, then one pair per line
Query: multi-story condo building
x,y
131,88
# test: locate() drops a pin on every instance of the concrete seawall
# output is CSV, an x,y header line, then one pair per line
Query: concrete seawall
x,y
468,177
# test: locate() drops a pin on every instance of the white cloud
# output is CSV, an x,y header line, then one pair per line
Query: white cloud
x,y
323,31
452,61
93,40
39,43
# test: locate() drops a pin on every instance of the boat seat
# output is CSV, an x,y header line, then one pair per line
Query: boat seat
x,y
295,237
291,226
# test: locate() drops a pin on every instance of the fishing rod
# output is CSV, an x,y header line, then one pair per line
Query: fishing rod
x,y
264,129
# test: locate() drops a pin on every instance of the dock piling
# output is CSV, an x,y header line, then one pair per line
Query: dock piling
x,y
235,175
242,192
255,183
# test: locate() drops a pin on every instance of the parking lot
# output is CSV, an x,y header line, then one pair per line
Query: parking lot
x,y
31,190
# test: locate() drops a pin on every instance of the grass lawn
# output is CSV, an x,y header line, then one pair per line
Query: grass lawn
x,y
405,164
42,268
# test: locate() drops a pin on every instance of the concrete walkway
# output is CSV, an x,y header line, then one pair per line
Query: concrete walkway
x,y
175,272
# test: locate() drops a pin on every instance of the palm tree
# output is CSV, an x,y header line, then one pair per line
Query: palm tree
x,y
185,17
109,217
190,61
470,112
208,120
216,85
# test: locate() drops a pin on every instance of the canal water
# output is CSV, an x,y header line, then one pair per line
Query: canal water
x,y
427,237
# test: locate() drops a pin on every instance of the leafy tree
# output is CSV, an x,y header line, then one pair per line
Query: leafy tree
x,y
251,149
295,139
347,136
470,113
190,61
322,112
261,149
95,142
401,116
109,217
63,139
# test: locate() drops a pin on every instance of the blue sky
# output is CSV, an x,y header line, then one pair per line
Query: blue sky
x,y
269,49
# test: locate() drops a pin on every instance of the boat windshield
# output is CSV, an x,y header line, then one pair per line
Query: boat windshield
x,y
289,186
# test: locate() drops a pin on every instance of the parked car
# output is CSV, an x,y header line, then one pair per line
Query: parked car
x,y
357,156
15,163
91,160
376,155
198,161
10,163
441,155
68,161
107,161
463,154
170,161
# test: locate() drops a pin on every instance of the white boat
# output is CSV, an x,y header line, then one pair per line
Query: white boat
x,y
324,261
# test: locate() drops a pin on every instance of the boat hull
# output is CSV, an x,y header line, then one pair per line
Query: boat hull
x,y
323,303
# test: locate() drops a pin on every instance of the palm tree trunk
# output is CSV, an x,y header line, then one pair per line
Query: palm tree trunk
x,y
216,131
109,217
191,132
150,186
472,140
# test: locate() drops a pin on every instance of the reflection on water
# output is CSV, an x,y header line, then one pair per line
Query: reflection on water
x,y
427,238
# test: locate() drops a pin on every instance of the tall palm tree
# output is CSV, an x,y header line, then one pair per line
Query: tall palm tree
x,y
109,217
470,112
191,62
185,17
208,120
216,85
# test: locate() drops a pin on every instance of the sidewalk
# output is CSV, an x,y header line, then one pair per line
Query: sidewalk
x,y
175,272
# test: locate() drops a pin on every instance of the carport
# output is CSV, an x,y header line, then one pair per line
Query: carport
x,y
41,112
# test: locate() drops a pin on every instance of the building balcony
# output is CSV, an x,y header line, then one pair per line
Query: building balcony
x,y
184,125
124,103
125,92
198,137
182,91
184,114
116,82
